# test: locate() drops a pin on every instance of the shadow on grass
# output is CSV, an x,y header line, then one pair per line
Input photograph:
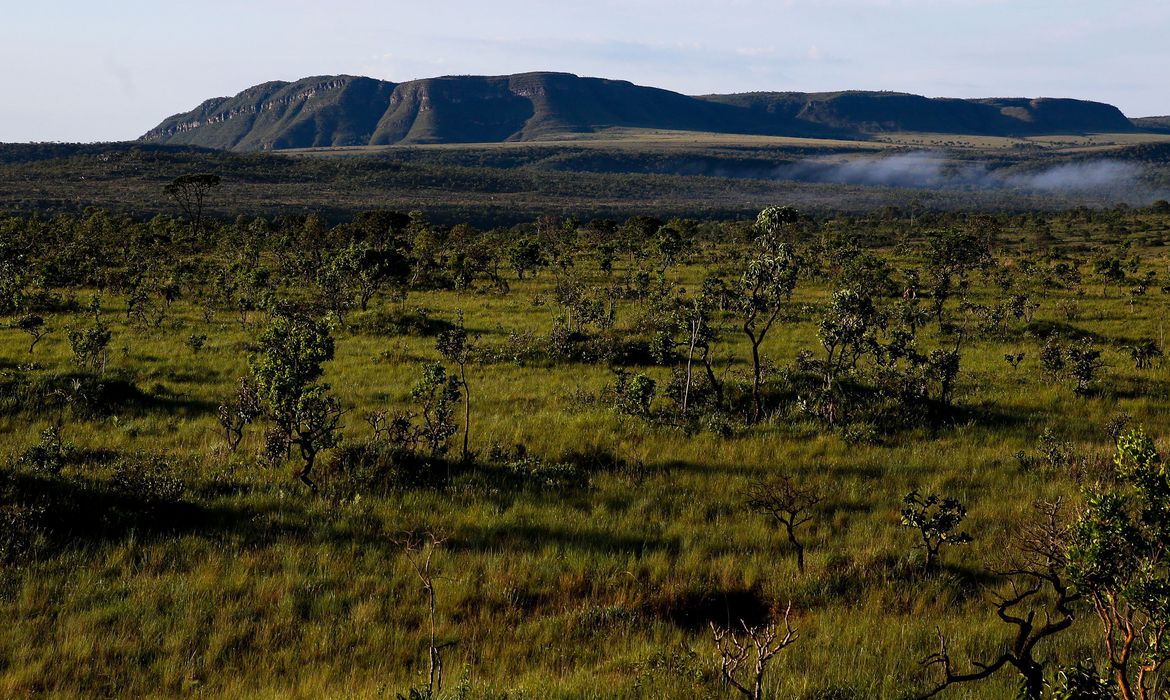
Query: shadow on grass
x,y
1133,388
1044,329
69,512
535,538
694,609
89,396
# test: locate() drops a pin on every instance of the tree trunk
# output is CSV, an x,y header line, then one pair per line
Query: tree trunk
x,y
799,550
303,474
466,410
690,359
711,374
757,402
1033,686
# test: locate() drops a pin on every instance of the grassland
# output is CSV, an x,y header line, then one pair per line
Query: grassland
x,y
254,587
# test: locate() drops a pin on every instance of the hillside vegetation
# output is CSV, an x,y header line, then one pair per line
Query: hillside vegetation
x,y
616,176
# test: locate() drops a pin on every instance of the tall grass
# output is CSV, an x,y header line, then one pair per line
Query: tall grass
x,y
586,593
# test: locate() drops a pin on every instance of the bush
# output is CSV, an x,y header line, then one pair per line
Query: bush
x,y
416,322
21,532
48,456
148,478
535,473
633,395
378,466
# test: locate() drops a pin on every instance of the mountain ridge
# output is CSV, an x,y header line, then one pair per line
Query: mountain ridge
x,y
346,110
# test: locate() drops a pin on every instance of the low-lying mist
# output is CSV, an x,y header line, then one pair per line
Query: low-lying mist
x,y
931,170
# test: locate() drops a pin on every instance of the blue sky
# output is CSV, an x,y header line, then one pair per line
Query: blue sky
x,y
85,71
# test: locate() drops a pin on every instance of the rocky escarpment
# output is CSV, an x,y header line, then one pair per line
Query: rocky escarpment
x,y
352,111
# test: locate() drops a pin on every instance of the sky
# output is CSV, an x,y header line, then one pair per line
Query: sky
x,y
79,70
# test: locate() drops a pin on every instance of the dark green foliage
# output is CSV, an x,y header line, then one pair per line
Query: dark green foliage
x,y
286,367
936,519
1084,364
1144,352
455,347
1082,681
35,327
237,413
767,283
633,395
288,361
90,345
190,193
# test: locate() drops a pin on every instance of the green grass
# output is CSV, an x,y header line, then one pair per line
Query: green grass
x,y
277,593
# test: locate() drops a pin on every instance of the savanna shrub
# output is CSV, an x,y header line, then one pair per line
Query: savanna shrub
x,y
49,455
148,478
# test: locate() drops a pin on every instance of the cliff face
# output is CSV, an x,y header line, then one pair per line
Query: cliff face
x,y
321,111
350,111
877,112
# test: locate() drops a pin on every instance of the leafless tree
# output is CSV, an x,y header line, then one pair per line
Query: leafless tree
x,y
1038,604
744,653
419,549
789,504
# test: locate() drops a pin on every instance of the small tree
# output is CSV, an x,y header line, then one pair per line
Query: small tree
x,y
766,284
693,318
634,395
437,393
942,366
1110,271
455,347
1117,558
526,255
1038,604
848,331
286,368
190,193
1144,352
419,550
315,427
936,519
952,256
1084,363
374,269
90,346
756,645
789,505
35,327
238,413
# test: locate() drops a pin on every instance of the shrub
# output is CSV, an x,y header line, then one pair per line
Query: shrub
x,y
49,455
148,478
633,395
21,532
90,347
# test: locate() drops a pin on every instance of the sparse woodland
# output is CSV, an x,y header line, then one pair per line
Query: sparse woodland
x,y
899,455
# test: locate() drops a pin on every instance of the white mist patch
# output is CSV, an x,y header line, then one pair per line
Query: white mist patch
x,y
933,170
1079,177
913,170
